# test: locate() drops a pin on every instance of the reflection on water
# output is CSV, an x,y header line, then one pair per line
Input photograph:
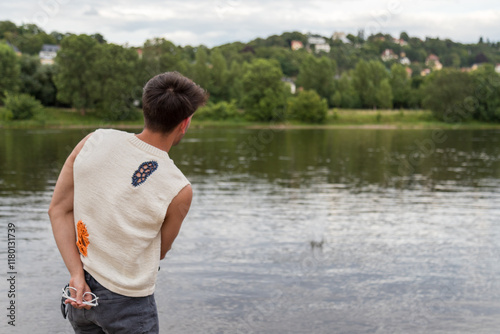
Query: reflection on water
x,y
294,231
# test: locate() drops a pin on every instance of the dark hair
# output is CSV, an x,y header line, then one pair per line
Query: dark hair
x,y
168,99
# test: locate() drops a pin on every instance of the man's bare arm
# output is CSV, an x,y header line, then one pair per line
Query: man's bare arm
x,y
63,226
177,211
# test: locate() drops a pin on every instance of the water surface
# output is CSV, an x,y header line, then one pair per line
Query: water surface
x,y
292,231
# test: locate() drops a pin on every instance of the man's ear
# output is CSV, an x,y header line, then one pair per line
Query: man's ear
x,y
185,124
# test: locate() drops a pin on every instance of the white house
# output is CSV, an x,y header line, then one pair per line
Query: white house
x,y
388,55
404,60
316,40
319,43
48,53
322,47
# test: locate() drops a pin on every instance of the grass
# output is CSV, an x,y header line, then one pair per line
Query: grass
x,y
69,118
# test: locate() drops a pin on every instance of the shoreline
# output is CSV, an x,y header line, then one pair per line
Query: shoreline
x,y
275,126
61,118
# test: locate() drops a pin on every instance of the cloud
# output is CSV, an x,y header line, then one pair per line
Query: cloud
x,y
91,12
215,22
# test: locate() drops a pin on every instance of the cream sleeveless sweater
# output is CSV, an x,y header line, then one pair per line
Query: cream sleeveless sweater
x,y
123,187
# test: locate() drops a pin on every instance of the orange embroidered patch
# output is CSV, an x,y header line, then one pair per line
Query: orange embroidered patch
x,y
83,238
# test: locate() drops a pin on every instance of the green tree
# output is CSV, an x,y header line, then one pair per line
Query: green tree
x,y
218,89
9,70
7,26
451,60
346,95
318,74
29,38
235,83
447,93
307,107
114,85
337,99
37,80
486,98
400,85
75,78
404,36
201,72
367,77
263,91
160,55
384,94
99,38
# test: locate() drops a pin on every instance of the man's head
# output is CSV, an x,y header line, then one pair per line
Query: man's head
x,y
168,99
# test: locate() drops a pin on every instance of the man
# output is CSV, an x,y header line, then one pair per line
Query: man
x,y
117,207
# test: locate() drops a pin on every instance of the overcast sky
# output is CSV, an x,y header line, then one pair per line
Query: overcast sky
x,y
216,22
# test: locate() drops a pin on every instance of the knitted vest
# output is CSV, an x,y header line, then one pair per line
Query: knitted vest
x,y
123,187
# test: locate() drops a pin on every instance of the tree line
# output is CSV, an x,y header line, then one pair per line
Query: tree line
x,y
247,79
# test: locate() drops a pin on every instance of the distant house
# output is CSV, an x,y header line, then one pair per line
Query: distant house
x,y
319,43
388,55
139,53
322,47
404,60
340,36
433,62
316,40
48,53
401,42
425,72
296,45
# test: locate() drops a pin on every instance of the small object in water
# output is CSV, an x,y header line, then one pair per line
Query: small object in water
x,y
317,244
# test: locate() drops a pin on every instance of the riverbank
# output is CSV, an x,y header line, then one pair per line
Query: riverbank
x,y
336,118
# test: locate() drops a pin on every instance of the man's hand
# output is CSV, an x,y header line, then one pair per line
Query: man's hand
x,y
81,287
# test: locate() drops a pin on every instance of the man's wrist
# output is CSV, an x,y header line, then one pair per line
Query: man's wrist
x,y
77,273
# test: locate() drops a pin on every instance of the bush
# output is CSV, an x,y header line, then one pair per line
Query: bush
x,y
22,106
308,107
5,115
218,111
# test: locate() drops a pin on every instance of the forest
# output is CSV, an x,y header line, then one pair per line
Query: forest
x,y
292,76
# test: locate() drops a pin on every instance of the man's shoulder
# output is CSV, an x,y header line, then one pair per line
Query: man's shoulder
x,y
109,134
112,132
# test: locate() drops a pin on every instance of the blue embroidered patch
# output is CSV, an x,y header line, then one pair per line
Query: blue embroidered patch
x,y
142,173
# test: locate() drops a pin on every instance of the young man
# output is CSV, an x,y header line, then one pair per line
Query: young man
x,y
117,207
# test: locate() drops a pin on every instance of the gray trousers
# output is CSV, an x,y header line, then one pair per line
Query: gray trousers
x,y
115,313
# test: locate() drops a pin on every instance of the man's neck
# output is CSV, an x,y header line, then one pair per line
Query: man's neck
x,y
157,139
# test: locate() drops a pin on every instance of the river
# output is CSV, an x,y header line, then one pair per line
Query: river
x,y
290,231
